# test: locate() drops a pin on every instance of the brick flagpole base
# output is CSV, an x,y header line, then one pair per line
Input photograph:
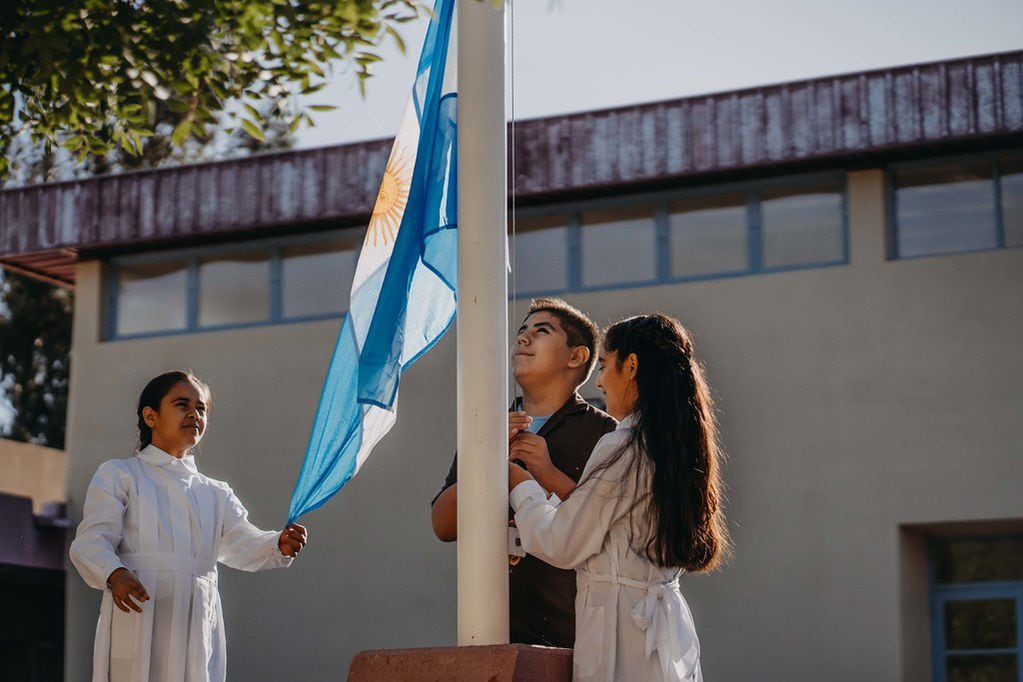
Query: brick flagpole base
x,y
499,663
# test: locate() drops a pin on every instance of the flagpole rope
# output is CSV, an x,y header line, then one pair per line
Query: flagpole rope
x,y
514,193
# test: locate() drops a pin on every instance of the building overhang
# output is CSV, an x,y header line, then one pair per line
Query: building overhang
x,y
858,119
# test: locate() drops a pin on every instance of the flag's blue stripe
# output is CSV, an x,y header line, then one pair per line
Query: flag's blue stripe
x,y
430,344
381,352
321,477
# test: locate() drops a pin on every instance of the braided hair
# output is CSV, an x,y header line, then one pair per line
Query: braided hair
x,y
677,433
153,394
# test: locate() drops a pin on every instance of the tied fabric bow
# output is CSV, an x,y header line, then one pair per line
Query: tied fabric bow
x,y
664,615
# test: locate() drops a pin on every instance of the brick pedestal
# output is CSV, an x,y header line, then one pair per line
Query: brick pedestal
x,y
500,663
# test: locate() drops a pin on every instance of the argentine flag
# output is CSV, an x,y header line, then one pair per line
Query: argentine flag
x,y
403,296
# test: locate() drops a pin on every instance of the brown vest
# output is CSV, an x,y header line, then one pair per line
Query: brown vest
x,y
542,598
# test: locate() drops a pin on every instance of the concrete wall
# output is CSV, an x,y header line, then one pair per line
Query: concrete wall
x,y
33,471
854,401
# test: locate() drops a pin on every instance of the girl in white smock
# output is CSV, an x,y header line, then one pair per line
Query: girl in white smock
x,y
646,509
153,531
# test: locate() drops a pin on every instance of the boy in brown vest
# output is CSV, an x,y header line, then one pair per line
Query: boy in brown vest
x,y
552,432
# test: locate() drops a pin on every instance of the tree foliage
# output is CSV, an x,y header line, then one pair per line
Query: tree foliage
x,y
32,163
91,75
35,340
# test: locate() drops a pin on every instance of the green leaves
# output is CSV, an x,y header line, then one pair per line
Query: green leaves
x,y
253,130
181,132
88,74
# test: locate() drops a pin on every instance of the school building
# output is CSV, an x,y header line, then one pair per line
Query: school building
x,y
846,250
33,556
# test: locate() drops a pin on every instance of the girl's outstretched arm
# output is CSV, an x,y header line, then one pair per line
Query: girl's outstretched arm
x,y
246,547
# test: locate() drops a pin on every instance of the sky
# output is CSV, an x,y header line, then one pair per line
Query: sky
x,y
575,55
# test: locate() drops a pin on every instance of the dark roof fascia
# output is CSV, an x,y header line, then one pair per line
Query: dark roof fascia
x,y
846,121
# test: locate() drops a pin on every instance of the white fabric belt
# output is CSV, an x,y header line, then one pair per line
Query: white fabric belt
x,y
665,618
628,582
176,563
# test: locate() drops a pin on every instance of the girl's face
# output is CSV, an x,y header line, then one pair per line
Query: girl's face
x,y
618,383
180,422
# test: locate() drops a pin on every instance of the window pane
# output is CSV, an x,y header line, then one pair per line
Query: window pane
x,y
980,624
234,289
801,227
151,297
970,561
945,209
316,279
1012,200
708,236
540,254
619,245
996,668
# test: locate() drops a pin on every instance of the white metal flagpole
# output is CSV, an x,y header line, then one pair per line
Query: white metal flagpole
x,y
482,326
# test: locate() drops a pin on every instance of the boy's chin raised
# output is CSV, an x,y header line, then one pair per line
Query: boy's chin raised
x,y
529,374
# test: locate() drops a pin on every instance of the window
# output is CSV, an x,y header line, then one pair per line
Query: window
x,y
212,288
976,604
709,235
316,279
540,254
802,227
945,209
689,234
607,234
234,289
151,297
955,206
1010,177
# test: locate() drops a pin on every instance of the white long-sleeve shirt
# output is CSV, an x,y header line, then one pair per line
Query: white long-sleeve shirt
x,y
158,516
632,622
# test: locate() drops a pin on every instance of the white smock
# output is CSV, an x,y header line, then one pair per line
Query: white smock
x,y
631,622
159,517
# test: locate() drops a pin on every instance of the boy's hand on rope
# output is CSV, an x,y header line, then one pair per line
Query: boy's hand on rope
x,y
124,586
293,538
518,422
531,450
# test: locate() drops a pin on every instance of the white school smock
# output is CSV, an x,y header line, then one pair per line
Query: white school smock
x,y
631,622
159,517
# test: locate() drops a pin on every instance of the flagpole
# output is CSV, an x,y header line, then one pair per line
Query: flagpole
x,y
482,326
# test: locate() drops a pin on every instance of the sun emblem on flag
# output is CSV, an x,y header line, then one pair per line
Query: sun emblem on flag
x,y
391,199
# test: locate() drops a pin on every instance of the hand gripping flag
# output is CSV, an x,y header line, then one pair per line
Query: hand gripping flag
x,y
403,296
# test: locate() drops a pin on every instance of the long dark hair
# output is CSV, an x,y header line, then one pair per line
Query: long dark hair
x,y
677,432
153,394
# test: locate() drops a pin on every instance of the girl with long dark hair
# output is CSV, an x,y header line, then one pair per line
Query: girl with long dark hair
x,y
648,507
153,531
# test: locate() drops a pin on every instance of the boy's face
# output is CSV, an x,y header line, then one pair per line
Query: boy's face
x,y
541,349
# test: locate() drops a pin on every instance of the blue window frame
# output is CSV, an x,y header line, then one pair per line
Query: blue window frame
x,y
777,225
729,230
956,205
977,608
256,283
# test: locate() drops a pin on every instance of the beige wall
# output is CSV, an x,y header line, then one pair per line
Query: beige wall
x,y
854,400
33,471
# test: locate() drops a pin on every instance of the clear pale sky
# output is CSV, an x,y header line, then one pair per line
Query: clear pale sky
x,y
574,55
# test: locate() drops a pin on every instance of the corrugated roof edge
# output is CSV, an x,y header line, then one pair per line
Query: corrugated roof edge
x,y
811,122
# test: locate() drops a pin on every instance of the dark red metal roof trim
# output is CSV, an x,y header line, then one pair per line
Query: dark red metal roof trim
x,y
942,104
